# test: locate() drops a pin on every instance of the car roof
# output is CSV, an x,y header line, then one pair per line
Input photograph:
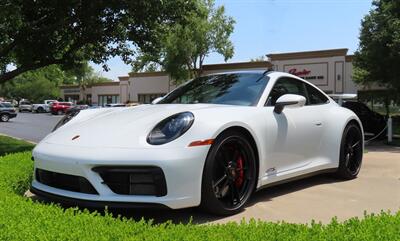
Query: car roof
x,y
240,72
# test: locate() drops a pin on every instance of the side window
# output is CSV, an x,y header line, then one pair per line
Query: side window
x,y
315,97
285,86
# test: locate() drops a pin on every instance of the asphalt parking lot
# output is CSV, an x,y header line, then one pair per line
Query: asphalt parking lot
x,y
320,198
30,126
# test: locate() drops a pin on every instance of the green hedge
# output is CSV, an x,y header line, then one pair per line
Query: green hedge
x,y
24,219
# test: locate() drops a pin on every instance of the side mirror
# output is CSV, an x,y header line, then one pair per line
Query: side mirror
x,y
156,100
289,100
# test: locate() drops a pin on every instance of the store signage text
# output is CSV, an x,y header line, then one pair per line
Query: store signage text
x,y
305,74
299,73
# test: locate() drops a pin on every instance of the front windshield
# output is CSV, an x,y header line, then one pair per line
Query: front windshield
x,y
8,105
229,89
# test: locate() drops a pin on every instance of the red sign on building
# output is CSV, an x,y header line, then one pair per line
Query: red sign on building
x,y
303,72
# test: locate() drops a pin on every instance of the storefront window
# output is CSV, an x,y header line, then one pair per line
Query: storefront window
x,y
71,98
89,98
108,99
148,98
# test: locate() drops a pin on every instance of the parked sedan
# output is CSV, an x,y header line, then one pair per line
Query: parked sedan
x,y
7,111
60,108
372,121
211,143
76,108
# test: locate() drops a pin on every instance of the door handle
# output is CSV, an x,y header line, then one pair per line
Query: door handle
x,y
319,123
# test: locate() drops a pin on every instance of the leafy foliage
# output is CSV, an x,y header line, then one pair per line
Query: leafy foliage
x,y
38,85
377,60
84,76
24,219
259,59
185,46
35,85
35,34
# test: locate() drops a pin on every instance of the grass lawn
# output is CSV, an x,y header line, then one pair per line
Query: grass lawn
x,y
10,145
22,218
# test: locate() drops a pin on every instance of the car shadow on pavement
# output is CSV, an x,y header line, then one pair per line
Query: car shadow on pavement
x,y
196,216
269,193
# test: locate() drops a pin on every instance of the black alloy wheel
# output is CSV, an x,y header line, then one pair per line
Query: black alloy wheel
x,y
4,117
351,152
229,175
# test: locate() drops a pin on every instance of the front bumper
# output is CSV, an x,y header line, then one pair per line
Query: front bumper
x,y
92,204
12,115
182,167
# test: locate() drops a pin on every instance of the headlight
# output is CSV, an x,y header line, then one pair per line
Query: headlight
x,y
66,118
170,128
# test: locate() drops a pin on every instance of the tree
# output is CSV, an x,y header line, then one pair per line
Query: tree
x,y
185,45
41,84
259,59
35,34
35,85
377,59
84,76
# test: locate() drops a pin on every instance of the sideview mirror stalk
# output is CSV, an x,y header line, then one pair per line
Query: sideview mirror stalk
x,y
279,106
289,100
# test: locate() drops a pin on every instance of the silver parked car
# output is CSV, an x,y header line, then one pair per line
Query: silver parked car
x,y
25,105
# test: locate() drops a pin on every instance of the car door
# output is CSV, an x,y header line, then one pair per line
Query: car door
x,y
294,135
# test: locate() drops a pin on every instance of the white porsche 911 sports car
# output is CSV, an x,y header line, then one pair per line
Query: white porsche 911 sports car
x,y
211,143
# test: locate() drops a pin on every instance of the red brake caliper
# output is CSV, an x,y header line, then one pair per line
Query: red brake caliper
x,y
240,172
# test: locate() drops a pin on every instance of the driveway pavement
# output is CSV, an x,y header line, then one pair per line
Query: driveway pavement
x,y
320,198
30,126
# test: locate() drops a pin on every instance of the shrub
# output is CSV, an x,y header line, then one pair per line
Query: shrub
x,y
24,219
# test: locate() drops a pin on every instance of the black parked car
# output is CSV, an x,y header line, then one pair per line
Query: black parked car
x,y
372,121
76,108
7,111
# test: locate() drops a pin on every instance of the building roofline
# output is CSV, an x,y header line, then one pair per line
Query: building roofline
x,y
238,65
123,78
68,86
111,83
308,54
147,74
349,58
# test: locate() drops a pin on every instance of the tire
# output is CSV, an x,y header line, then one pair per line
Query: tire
x,y
4,118
60,112
229,175
351,152
40,110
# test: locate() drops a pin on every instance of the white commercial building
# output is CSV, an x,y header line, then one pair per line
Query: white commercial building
x,y
331,70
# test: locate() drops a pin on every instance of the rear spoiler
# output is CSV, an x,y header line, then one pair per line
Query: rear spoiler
x,y
341,97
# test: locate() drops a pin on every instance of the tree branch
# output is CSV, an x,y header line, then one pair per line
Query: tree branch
x,y
11,74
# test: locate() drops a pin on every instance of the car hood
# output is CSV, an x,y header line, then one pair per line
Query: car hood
x,y
125,127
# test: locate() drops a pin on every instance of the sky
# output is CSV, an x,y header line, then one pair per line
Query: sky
x,y
278,26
